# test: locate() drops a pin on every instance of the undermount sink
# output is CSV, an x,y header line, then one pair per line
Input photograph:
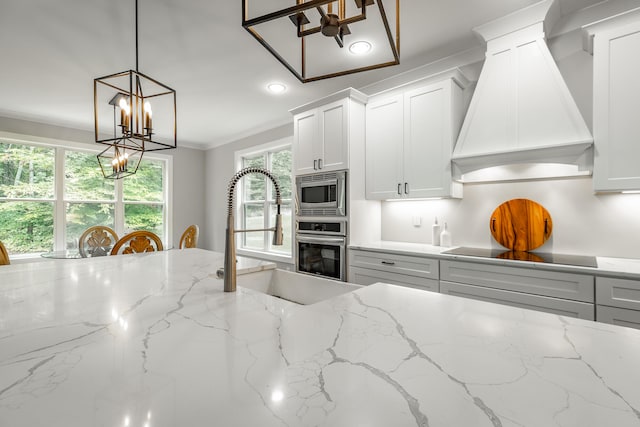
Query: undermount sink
x,y
295,287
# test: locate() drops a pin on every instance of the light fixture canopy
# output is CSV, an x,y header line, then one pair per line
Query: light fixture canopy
x,y
133,114
308,37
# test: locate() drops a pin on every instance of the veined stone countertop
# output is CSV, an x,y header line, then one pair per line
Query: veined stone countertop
x,y
152,340
607,266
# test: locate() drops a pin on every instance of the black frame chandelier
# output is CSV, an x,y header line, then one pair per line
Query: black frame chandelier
x,y
309,56
133,114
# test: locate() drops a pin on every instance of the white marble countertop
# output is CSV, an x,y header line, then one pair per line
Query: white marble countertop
x,y
152,340
607,266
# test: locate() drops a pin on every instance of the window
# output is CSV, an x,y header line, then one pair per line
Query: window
x,y
89,198
144,198
257,207
27,189
50,194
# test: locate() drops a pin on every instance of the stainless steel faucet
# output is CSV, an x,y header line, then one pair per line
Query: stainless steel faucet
x,y
230,242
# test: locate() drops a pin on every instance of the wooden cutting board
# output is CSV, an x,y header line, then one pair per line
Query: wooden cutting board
x,y
520,225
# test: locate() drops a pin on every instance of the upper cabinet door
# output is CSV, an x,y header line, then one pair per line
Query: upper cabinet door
x,y
321,138
305,135
428,141
333,149
616,107
384,139
409,142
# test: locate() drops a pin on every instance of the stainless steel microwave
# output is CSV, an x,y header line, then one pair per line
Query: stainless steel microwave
x,y
322,194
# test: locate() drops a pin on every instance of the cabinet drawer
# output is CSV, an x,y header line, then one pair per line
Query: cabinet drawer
x,y
618,316
394,263
621,293
367,276
578,287
532,302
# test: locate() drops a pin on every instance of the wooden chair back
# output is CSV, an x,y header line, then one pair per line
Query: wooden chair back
x,y
137,242
4,255
189,238
97,241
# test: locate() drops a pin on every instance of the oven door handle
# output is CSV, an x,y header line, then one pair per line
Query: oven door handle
x,y
328,240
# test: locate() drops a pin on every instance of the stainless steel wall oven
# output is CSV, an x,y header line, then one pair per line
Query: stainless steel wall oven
x,y
321,247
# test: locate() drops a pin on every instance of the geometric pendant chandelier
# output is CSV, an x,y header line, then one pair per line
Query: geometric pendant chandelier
x,y
133,114
317,39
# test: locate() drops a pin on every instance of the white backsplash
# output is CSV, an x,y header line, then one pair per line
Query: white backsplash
x,y
584,223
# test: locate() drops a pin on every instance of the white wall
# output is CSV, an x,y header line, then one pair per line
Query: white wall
x,y
189,196
188,171
583,223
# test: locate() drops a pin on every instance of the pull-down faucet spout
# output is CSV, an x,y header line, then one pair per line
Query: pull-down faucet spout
x,y
230,241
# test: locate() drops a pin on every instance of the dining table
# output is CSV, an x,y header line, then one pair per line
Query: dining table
x,y
152,340
63,254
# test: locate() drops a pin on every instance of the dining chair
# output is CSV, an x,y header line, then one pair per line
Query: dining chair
x,y
137,242
189,238
96,241
4,255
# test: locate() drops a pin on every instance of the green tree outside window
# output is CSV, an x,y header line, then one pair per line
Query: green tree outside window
x,y
27,176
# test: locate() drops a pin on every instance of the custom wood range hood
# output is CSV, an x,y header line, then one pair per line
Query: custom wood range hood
x,y
522,110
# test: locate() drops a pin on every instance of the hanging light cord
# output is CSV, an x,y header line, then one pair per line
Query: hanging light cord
x,y
136,36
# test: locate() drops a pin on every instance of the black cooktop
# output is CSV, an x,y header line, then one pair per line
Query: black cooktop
x,y
577,260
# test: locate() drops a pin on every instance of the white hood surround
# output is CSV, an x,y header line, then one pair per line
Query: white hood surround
x,y
521,111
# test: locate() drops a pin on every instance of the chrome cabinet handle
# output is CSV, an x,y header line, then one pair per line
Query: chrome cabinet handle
x,y
406,189
315,165
388,262
399,189
319,163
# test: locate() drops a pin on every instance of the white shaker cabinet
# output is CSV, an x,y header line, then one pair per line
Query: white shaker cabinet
x,y
321,133
368,267
618,301
567,294
384,148
306,137
616,101
409,142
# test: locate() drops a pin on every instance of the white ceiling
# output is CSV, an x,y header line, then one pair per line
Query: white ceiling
x,y
52,50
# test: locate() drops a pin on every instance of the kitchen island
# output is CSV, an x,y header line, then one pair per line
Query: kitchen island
x,y
152,340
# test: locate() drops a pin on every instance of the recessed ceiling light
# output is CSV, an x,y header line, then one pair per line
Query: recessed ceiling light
x,y
276,87
360,47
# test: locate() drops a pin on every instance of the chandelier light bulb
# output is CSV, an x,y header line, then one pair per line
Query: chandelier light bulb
x,y
147,116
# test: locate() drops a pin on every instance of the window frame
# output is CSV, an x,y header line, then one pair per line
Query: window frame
x,y
268,205
60,201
